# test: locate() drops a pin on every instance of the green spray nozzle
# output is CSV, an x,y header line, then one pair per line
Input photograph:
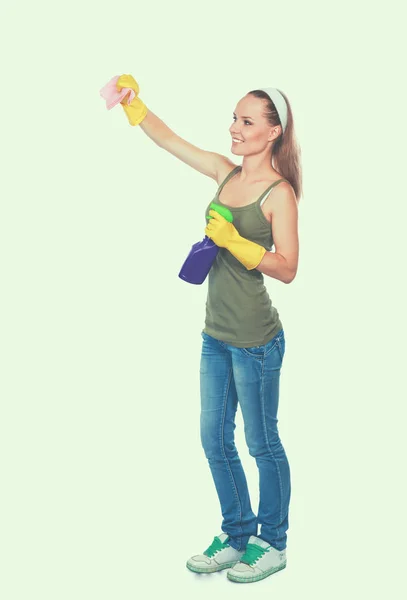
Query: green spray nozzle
x,y
222,210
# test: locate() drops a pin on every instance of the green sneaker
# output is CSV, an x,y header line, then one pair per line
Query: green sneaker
x,y
259,561
220,555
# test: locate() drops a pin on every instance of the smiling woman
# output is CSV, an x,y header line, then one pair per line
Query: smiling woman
x,y
243,342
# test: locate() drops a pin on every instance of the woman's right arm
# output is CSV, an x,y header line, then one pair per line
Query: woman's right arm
x,y
209,163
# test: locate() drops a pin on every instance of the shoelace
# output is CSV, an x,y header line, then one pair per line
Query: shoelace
x,y
253,553
216,546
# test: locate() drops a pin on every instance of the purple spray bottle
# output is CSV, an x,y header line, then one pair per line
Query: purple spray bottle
x,y
200,259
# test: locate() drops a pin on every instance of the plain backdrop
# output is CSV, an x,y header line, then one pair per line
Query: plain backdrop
x,y
106,491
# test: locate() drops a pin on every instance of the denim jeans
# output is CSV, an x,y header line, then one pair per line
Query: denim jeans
x,y
250,376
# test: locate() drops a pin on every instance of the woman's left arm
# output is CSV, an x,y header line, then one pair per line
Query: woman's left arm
x,y
283,263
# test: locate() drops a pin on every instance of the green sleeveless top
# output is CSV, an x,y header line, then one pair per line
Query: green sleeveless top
x,y
239,310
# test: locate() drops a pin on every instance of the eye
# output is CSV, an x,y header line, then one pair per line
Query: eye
x,y
245,121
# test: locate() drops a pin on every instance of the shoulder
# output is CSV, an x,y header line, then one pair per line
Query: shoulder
x,y
282,197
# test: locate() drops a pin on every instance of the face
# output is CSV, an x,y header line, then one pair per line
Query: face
x,y
250,126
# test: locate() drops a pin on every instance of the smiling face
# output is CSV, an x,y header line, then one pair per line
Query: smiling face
x,y
251,127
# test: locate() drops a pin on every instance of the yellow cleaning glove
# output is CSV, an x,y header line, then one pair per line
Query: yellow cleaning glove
x,y
136,110
225,235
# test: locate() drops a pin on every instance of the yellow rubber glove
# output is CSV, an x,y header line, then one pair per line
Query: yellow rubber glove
x,y
136,110
225,235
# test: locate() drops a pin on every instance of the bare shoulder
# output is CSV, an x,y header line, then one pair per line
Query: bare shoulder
x,y
282,197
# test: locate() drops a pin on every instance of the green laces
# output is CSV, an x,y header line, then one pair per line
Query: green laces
x,y
253,553
215,546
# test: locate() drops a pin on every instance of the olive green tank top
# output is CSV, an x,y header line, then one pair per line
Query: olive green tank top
x,y
239,310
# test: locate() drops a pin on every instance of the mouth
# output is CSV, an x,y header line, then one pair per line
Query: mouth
x,y
236,141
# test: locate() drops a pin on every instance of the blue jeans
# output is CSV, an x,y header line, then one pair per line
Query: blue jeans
x,y
250,376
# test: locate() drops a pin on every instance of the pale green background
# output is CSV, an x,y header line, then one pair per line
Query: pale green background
x,y
106,491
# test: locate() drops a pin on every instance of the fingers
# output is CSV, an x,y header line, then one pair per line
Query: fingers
x,y
214,222
127,80
216,215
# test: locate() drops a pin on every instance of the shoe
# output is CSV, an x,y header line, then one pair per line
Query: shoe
x,y
259,561
220,555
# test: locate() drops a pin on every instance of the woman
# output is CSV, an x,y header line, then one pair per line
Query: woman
x,y
243,339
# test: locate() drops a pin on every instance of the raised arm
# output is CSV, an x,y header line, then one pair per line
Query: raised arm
x,y
208,163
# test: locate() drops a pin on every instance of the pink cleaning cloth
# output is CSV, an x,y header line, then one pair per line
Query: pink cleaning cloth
x,y
111,94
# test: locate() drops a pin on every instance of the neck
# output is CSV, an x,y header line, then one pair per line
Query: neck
x,y
256,167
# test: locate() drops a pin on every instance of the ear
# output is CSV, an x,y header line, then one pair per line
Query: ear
x,y
274,133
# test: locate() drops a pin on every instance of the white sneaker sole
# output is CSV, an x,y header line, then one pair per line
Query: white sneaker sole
x,y
243,579
211,569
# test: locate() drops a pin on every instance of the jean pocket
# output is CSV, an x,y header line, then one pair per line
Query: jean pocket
x,y
255,351
262,351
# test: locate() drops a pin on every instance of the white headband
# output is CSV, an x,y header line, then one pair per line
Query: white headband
x,y
279,103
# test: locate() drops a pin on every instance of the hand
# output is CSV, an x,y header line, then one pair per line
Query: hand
x,y
220,230
136,110
127,81
225,235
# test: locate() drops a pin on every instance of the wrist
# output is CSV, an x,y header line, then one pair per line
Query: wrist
x,y
249,253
